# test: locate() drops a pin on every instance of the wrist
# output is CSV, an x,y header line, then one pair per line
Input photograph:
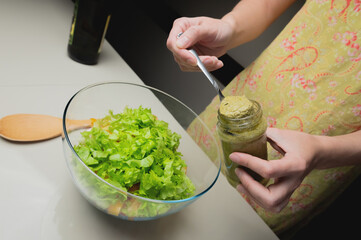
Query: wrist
x,y
231,21
321,151
328,155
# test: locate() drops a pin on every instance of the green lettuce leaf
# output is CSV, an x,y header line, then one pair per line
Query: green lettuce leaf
x,y
135,148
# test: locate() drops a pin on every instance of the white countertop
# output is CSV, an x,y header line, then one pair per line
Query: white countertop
x,y
38,198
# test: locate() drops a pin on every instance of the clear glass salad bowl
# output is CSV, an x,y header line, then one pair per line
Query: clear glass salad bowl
x,y
202,158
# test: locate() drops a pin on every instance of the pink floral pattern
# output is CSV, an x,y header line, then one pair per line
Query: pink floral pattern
x,y
357,110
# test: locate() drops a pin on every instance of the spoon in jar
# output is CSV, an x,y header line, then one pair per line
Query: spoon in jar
x,y
208,75
36,127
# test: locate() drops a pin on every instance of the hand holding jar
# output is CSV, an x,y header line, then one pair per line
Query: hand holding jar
x,y
302,152
298,150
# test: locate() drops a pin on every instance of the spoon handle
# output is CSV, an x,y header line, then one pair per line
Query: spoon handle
x,y
36,127
208,75
78,124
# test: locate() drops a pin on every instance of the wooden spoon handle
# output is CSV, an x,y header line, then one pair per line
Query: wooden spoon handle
x,y
78,124
35,127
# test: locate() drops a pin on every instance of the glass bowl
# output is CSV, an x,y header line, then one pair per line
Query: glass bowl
x,y
95,101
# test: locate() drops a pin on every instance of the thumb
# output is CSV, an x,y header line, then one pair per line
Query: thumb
x,y
190,37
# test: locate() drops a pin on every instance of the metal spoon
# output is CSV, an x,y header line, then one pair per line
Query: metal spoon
x,y
36,127
208,75
205,71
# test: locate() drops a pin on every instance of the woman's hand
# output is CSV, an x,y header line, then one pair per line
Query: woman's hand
x,y
211,37
300,155
208,36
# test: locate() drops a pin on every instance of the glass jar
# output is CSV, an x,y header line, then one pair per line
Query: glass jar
x,y
246,135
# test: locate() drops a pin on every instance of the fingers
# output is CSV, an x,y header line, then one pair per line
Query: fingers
x,y
283,140
179,26
287,172
181,54
267,169
273,198
191,36
276,139
186,61
210,62
178,44
186,32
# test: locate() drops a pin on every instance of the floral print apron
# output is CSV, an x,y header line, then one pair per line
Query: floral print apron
x,y
309,80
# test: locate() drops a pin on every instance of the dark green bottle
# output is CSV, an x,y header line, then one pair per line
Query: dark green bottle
x,y
90,22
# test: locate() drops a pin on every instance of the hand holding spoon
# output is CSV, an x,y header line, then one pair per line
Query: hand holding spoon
x,y
35,127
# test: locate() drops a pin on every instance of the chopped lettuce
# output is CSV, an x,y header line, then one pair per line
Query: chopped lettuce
x,y
134,148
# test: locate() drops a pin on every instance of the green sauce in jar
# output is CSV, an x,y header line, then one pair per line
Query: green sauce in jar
x,y
241,128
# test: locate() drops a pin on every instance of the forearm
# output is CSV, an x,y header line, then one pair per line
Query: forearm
x,y
339,151
249,18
